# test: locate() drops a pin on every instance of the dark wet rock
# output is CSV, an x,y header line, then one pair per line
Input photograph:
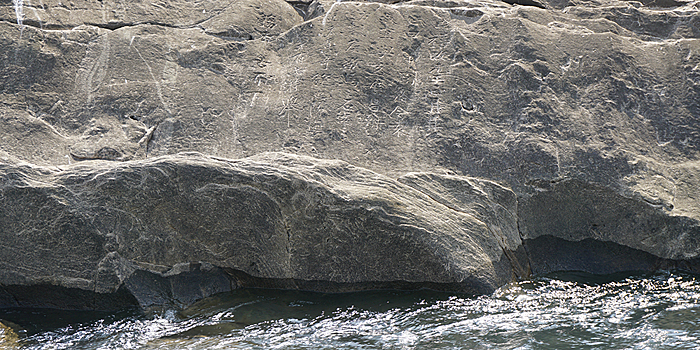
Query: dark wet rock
x,y
180,286
574,121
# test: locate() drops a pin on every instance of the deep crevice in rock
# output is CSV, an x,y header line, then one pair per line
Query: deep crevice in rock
x,y
301,6
118,25
245,280
533,3
109,26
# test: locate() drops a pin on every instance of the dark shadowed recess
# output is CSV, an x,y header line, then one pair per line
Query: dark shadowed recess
x,y
30,321
149,290
594,260
56,297
526,3
248,281
550,254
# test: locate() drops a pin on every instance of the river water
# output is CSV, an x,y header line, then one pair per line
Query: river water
x,y
564,311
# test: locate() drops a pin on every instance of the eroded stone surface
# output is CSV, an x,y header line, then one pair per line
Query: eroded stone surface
x,y
580,120
294,221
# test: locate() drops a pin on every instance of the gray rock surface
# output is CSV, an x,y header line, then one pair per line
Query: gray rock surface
x,y
572,123
174,229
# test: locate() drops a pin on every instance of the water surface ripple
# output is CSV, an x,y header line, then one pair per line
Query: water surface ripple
x,y
565,311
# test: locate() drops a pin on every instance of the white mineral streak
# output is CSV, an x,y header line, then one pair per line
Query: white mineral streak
x,y
18,10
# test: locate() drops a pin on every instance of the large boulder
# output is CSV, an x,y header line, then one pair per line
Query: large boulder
x,y
577,122
174,229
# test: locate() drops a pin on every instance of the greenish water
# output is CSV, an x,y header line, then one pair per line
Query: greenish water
x,y
565,311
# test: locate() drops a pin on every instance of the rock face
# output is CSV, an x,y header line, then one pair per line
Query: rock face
x,y
490,138
174,229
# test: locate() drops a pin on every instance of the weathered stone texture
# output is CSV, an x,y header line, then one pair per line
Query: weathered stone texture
x,y
563,120
287,219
